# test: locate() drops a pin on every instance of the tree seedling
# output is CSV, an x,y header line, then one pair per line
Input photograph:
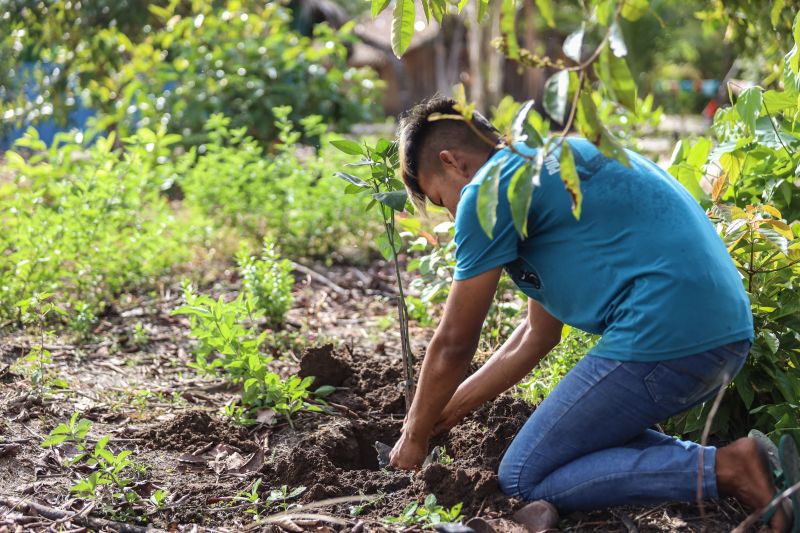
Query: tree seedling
x,y
388,197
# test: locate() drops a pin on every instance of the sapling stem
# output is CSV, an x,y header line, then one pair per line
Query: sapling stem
x,y
402,310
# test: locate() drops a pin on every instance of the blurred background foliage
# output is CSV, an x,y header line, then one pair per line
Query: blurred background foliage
x,y
139,63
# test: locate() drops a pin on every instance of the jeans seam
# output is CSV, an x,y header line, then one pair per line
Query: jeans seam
x,y
571,407
608,477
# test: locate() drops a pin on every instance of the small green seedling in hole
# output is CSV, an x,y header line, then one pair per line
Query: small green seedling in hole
x,y
443,458
358,509
426,515
282,494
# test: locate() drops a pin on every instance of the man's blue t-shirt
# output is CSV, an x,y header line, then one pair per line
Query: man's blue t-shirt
x,y
643,266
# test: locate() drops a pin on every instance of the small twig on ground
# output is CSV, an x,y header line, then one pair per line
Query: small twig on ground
x,y
748,522
32,432
345,409
88,521
319,277
703,440
305,516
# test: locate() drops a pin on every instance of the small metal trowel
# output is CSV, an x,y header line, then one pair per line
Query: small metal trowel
x,y
384,450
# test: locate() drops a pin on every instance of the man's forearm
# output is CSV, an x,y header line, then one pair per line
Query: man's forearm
x,y
442,371
508,365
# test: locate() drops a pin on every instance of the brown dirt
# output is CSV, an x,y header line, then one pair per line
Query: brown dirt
x,y
195,429
205,461
337,457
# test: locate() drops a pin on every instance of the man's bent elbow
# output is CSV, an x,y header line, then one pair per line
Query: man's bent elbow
x,y
451,350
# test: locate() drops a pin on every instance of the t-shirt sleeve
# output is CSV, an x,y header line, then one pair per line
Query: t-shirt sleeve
x,y
476,252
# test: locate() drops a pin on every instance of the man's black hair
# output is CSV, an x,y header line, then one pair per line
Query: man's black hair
x,y
421,139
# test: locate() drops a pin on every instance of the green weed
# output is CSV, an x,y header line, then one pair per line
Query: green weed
x,y
108,478
34,313
227,347
426,515
551,370
267,281
276,499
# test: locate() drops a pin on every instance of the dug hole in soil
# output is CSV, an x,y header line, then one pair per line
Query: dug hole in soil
x,y
335,456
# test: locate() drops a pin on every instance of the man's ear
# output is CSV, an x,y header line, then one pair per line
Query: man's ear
x,y
448,159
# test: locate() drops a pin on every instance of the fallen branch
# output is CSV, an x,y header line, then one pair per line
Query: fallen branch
x,y
319,277
86,521
703,440
304,516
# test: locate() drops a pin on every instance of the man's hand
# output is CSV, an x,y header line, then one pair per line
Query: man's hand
x,y
452,415
408,453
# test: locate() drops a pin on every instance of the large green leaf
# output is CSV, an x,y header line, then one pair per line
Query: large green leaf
x,y
556,93
748,107
483,6
347,146
521,128
378,6
520,194
403,18
385,247
569,175
354,180
616,77
508,27
394,199
546,11
487,197
573,44
779,101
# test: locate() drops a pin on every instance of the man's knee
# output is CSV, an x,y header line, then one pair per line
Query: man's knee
x,y
508,477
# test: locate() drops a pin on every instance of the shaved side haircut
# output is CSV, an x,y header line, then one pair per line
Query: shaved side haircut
x,y
421,139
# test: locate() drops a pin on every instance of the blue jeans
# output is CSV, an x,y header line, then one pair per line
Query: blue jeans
x,y
588,446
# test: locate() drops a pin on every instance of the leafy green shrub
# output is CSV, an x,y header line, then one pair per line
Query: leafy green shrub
x,y
148,64
551,370
285,196
435,263
267,282
226,346
84,222
107,469
754,199
426,515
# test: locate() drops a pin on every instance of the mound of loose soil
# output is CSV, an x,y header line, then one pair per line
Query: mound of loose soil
x,y
193,429
336,456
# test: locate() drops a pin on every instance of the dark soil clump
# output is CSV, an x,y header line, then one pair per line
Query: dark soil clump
x,y
321,362
336,457
195,429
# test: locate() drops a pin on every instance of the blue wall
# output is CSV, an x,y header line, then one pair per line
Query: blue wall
x,y
47,128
